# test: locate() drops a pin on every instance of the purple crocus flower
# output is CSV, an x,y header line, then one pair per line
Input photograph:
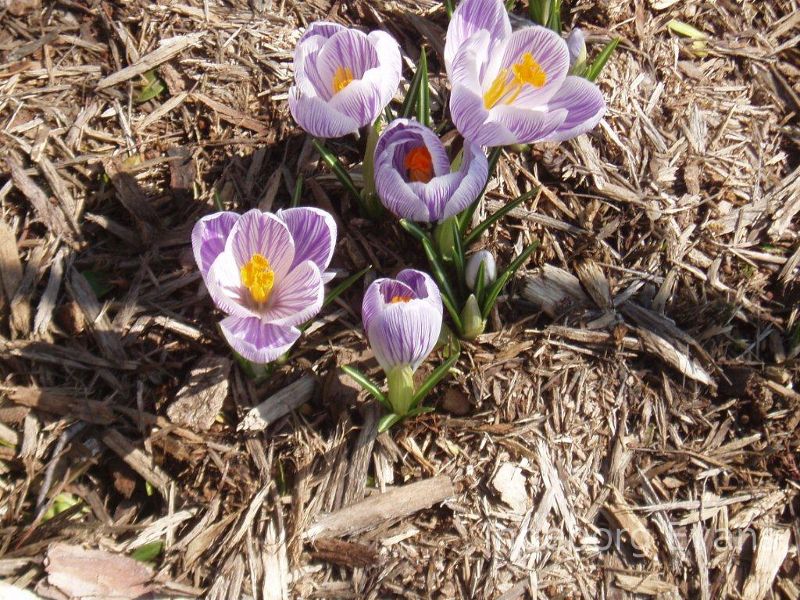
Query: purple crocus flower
x,y
513,88
403,319
413,178
267,272
344,78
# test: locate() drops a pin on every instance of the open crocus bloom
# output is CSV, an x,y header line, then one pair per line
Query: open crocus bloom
x,y
513,88
344,78
413,178
267,272
403,319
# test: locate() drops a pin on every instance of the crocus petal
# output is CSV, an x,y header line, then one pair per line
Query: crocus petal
x,y
584,104
224,285
297,297
316,116
323,29
378,295
258,232
397,196
474,171
472,119
314,234
362,100
391,63
528,126
306,73
208,238
347,49
410,130
549,50
470,17
257,341
404,333
576,43
424,287
437,193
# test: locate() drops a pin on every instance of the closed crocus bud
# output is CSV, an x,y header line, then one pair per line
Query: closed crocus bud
x,y
474,264
343,78
402,318
473,320
576,43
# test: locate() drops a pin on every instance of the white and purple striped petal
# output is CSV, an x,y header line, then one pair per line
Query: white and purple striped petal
x,y
513,88
208,238
263,233
402,318
421,187
256,340
314,233
344,78
298,297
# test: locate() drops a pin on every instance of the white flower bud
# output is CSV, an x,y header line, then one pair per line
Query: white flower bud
x,y
474,263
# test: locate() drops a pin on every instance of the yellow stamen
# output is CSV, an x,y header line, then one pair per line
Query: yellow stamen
x,y
419,165
258,277
341,79
505,89
399,298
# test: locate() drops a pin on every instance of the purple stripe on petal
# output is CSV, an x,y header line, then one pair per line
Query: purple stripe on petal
x,y
549,50
314,234
306,73
528,126
391,64
297,297
404,333
324,29
437,193
472,119
257,341
208,238
397,195
258,232
225,286
424,287
475,171
317,117
347,49
361,101
470,17
405,134
585,105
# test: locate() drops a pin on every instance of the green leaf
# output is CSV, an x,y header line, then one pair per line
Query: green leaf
x,y
466,217
387,421
338,169
554,18
344,286
476,233
98,281
410,101
366,383
434,378
148,552
448,6
497,286
458,255
424,96
298,191
480,283
594,70
510,4
153,87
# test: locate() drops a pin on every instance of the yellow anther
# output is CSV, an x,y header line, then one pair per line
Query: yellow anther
x,y
341,79
506,88
397,299
258,277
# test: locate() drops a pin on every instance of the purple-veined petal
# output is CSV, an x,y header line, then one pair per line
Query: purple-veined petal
x,y
549,50
224,285
404,333
348,49
409,133
296,297
317,117
257,341
391,63
475,172
208,238
472,119
314,233
397,195
380,293
258,232
362,99
528,126
306,73
424,287
323,29
584,104
437,193
470,17
576,43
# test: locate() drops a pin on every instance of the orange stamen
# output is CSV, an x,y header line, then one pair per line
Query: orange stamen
x,y
397,299
419,165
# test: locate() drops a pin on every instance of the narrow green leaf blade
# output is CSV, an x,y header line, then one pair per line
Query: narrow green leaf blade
x,y
366,383
448,6
424,96
148,552
298,191
434,378
410,101
338,169
480,284
476,233
594,70
497,286
439,273
387,421
344,286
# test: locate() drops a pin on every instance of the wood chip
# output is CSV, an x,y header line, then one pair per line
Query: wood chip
x,y
640,537
50,214
108,339
130,194
279,404
137,460
773,545
555,291
10,263
200,399
382,508
510,482
231,115
647,584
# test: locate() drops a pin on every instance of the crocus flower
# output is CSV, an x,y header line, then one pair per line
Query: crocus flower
x,y
576,43
344,78
267,272
403,319
513,88
474,263
413,177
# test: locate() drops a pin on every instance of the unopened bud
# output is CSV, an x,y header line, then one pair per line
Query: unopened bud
x,y
474,264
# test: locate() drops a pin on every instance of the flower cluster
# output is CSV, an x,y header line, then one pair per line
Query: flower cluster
x,y
267,271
